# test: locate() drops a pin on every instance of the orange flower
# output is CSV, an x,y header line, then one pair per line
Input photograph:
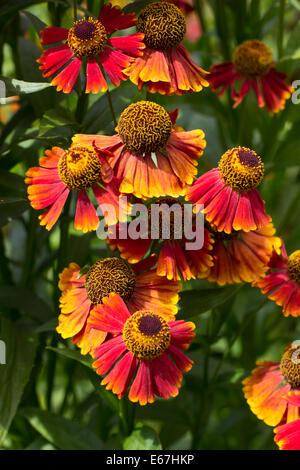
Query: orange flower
x,y
270,382
151,156
166,66
241,256
146,349
228,193
174,259
139,286
80,168
282,283
253,64
89,42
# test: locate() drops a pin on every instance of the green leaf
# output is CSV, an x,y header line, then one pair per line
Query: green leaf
x,y
55,118
20,353
142,438
10,7
61,432
73,354
15,87
26,301
194,302
11,208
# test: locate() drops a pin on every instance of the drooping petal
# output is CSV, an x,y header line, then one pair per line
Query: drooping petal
x,y
52,34
86,218
114,19
95,82
66,79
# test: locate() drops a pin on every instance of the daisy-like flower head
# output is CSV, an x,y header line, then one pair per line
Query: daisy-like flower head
x,y
265,390
90,39
152,156
139,287
288,435
145,353
253,64
174,260
78,168
166,65
228,193
241,256
282,283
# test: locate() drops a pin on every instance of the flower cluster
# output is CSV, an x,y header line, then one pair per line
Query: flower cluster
x,y
122,310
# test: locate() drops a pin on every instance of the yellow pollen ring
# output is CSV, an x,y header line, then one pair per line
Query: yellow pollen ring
x,y
109,275
146,334
87,38
79,167
293,266
144,127
163,25
252,59
241,168
290,366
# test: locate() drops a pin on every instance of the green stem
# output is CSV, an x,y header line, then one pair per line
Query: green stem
x,y
126,414
111,106
280,29
82,105
75,9
28,265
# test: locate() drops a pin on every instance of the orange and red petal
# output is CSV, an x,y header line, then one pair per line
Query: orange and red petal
x,y
52,34
114,19
288,436
265,395
108,354
119,378
183,362
131,45
114,206
182,333
86,218
75,308
131,250
142,389
275,90
226,208
54,59
110,316
50,217
95,82
188,76
69,277
156,293
66,79
172,262
114,62
166,377
222,76
279,287
88,339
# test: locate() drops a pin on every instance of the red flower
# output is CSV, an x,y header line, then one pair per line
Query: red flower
x,y
269,383
174,259
139,286
166,65
282,284
79,168
145,353
253,64
288,435
241,256
91,39
228,193
151,156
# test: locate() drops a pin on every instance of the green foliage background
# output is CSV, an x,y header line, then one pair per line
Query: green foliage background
x,y
49,396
